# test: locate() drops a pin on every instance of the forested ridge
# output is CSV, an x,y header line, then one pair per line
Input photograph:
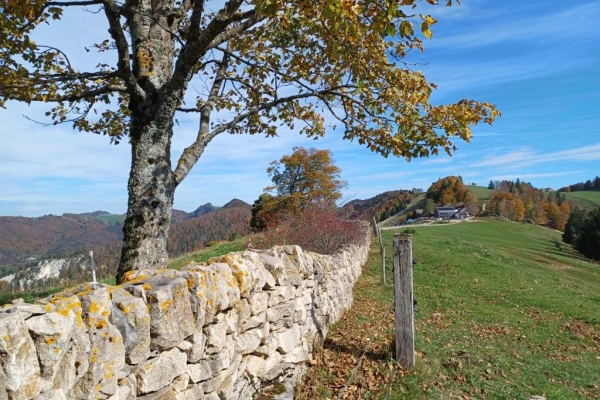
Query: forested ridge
x,y
68,234
381,206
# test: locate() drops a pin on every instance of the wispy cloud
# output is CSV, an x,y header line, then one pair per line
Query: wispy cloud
x,y
512,177
527,157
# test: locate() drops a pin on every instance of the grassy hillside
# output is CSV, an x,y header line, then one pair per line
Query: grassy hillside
x,y
505,311
587,200
111,219
483,194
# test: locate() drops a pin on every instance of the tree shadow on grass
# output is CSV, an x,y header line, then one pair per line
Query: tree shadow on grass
x,y
382,353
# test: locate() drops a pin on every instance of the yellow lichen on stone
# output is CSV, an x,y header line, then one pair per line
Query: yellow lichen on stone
x,y
94,307
125,309
164,305
94,355
128,277
50,340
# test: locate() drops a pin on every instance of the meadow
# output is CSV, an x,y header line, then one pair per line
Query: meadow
x,y
505,311
587,199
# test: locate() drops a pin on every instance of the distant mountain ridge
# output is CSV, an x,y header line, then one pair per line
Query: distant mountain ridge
x,y
51,235
380,206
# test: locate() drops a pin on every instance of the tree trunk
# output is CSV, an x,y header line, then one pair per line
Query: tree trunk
x,y
151,190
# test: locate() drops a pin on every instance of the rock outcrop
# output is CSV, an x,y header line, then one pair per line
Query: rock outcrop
x,y
220,330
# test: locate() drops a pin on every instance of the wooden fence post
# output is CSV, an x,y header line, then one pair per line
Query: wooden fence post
x,y
403,300
383,262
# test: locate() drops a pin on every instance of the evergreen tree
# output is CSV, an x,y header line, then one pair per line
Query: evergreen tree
x,y
574,226
588,242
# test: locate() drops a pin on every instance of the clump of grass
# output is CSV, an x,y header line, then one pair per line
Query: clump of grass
x,y
214,250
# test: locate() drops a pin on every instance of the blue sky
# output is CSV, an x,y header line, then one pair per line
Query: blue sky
x,y
538,61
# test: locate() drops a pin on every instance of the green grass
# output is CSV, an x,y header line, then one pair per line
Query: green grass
x,y
31,296
505,311
217,249
111,219
522,305
587,200
484,195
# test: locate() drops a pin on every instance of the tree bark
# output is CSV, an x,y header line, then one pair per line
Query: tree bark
x,y
151,189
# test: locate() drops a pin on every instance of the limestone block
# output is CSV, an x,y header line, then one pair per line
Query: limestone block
x,y
288,339
129,382
134,308
180,383
230,346
18,358
51,333
75,362
275,266
156,373
215,336
107,353
29,310
123,393
271,363
231,320
280,294
254,321
300,313
255,366
207,368
3,392
163,394
212,396
249,341
259,302
264,280
296,355
227,385
246,269
214,288
194,347
56,394
302,265
171,318
278,312
193,393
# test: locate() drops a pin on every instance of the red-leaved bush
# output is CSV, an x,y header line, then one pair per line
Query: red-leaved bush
x,y
316,228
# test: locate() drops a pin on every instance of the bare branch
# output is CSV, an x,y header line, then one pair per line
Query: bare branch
x,y
192,153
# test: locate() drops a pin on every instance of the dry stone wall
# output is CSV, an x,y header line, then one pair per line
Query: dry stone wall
x,y
220,330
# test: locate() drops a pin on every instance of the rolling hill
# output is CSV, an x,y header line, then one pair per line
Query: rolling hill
x,y
26,240
586,199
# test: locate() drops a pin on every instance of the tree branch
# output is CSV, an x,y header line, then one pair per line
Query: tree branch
x,y
198,42
113,12
249,19
72,3
192,153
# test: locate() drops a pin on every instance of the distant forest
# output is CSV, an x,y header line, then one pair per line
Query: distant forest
x,y
582,186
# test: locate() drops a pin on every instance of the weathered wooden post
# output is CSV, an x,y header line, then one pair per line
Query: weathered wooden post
x,y
383,263
403,300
